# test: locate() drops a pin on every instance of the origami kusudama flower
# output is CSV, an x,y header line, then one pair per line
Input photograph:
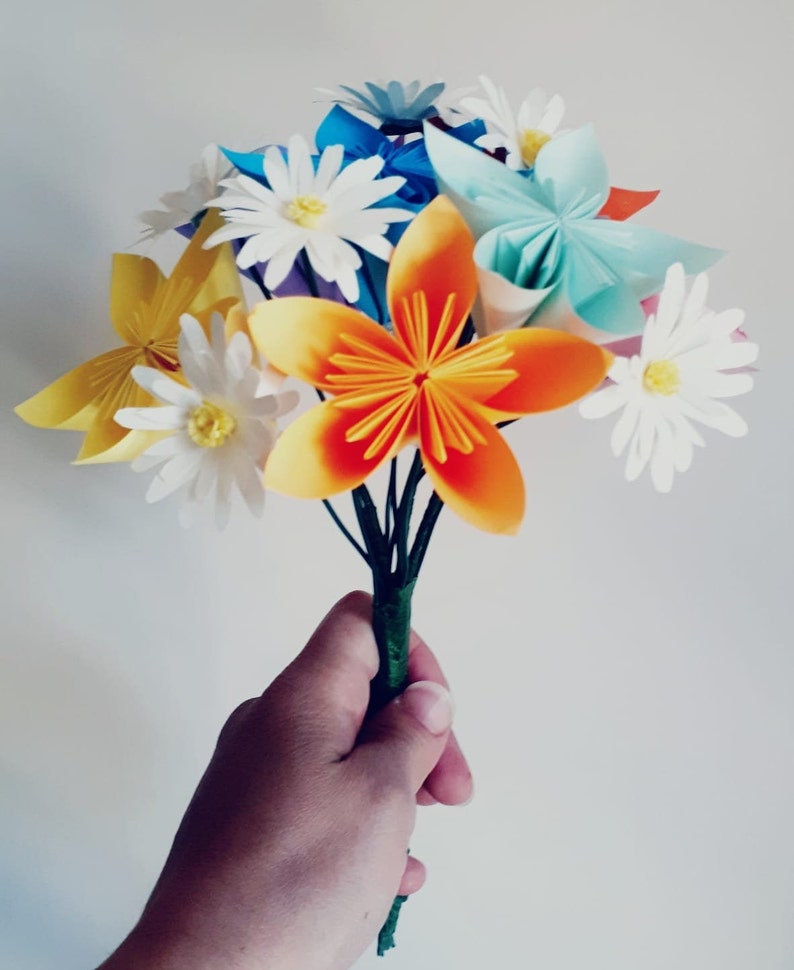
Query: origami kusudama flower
x,y
417,385
395,106
145,307
678,377
183,206
321,212
522,136
219,429
406,159
543,255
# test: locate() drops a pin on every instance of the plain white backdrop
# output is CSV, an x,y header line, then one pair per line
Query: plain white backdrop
x,y
623,670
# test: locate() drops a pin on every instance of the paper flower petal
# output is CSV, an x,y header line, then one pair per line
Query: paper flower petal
x,y
484,487
434,257
300,336
621,204
313,457
502,305
554,369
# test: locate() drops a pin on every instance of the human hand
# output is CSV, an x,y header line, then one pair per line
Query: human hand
x,y
294,844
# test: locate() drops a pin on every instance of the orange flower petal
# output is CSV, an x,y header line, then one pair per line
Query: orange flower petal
x,y
434,257
484,486
554,369
313,457
300,334
623,203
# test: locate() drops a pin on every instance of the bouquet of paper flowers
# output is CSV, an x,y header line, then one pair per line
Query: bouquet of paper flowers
x,y
434,269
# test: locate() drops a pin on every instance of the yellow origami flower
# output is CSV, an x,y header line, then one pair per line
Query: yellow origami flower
x,y
417,384
145,308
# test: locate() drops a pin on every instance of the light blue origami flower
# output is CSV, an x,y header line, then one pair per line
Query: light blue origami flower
x,y
541,249
399,107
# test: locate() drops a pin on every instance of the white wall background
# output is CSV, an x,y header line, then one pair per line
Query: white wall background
x,y
624,670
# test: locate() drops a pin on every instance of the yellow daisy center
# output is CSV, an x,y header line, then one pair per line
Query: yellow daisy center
x,y
306,210
530,143
210,426
662,377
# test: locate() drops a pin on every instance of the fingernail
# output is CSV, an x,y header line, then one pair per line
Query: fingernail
x,y
430,704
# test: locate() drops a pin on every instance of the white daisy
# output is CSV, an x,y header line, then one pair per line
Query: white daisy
x,y
678,377
524,135
182,206
324,212
222,426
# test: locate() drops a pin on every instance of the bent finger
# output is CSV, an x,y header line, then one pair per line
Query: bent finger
x,y
413,877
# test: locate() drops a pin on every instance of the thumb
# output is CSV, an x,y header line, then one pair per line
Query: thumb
x,y
409,735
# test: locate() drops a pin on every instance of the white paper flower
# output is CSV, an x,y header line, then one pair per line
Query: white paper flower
x,y
524,135
678,377
324,212
222,426
182,206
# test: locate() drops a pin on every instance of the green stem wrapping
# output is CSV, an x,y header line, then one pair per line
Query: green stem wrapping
x,y
391,623
386,935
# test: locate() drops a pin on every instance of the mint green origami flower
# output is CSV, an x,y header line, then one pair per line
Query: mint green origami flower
x,y
542,251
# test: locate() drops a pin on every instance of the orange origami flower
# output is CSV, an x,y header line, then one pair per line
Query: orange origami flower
x,y
417,385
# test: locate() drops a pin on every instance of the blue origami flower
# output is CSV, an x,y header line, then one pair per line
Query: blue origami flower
x,y
542,236
361,140
399,107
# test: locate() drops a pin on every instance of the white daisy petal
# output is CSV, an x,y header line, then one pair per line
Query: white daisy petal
x,y
223,494
737,353
277,174
249,483
282,261
552,116
603,402
716,384
328,168
162,450
167,418
663,458
719,416
671,300
626,427
173,475
635,463
725,323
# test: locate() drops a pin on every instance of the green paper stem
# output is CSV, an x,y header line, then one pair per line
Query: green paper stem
x,y
391,623
395,568
386,935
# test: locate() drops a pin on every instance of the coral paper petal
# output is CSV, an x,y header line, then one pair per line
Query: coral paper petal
x,y
484,487
314,459
435,257
621,204
555,369
299,334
